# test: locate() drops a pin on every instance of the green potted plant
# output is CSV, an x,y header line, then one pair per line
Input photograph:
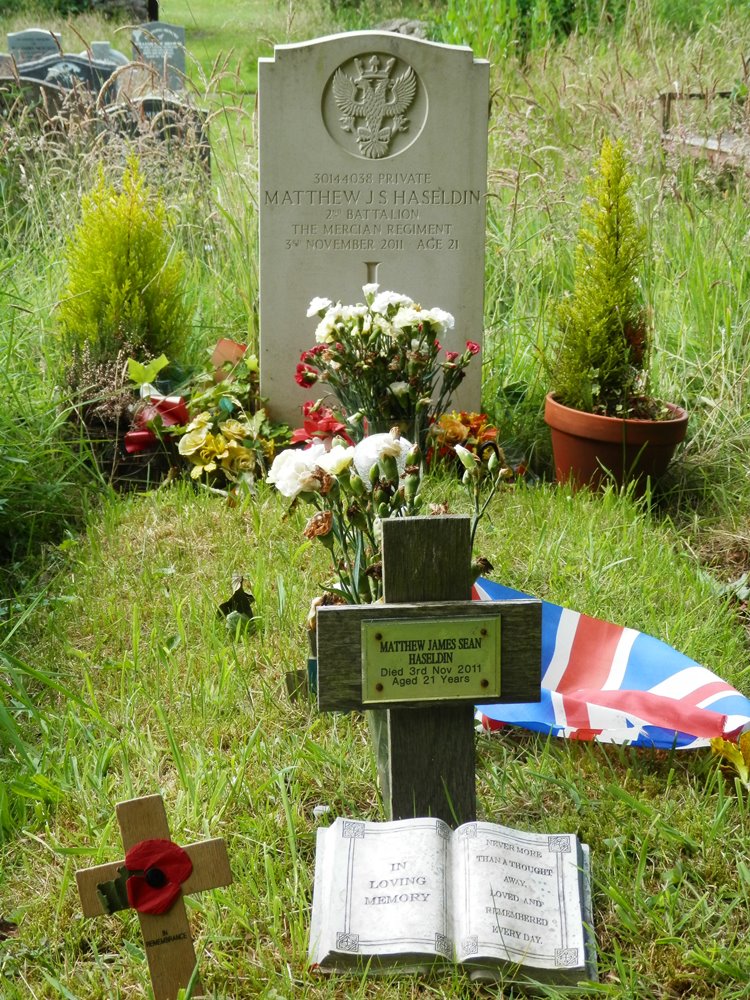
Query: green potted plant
x,y
603,420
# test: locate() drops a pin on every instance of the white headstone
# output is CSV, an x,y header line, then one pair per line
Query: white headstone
x,y
33,43
162,46
373,167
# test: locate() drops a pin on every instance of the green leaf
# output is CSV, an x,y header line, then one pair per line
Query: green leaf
x,y
143,374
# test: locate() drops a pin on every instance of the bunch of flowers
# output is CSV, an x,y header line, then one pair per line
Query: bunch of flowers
x,y
383,361
470,430
352,488
221,430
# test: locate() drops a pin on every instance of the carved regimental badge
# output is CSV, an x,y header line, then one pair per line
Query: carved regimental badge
x,y
366,105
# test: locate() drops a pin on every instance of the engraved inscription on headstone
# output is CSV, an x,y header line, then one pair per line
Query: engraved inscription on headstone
x,y
373,168
33,43
162,46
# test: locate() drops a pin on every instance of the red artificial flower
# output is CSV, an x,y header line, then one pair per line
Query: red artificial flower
x,y
305,376
158,868
472,347
320,423
173,413
137,441
171,409
226,353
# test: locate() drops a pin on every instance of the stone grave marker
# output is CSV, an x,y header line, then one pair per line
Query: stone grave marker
x,y
33,43
166,933
7,65
68,72
179,125
104,53
420,662
373,168
19,97
162,46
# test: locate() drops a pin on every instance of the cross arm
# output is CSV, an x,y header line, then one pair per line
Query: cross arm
x,y
210,871
339,647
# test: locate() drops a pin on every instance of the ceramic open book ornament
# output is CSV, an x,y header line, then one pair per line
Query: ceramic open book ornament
x,y
606,426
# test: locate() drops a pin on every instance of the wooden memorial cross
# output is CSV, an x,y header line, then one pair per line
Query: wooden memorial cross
x,y
166,936
421,666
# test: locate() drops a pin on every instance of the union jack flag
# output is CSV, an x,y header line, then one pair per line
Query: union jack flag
x,y
616,685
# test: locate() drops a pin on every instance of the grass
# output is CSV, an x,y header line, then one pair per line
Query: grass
x,y
117,677
151,666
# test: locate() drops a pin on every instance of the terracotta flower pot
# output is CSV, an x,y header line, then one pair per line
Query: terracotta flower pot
x,y
591,450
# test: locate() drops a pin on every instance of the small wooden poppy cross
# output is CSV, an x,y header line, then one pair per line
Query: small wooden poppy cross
x,y
154,877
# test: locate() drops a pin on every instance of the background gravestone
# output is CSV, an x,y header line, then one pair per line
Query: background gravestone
x,y
33,43
373,167
162,46
104,53
68,71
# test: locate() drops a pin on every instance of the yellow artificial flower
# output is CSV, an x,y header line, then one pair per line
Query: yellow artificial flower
x,y
238,458
738,755
235,429
213,449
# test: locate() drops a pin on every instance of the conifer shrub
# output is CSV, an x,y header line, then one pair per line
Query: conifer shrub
x,y
602,347
126,282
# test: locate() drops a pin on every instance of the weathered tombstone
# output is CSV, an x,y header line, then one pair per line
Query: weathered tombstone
x,y
33,43
166,934
103,52
69,72
179,125
20,97
7,65
373,168
421,666
162,46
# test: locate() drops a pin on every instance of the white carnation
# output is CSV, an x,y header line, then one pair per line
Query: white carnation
x,y
337,459
370,290
383,301
439,319
291,471
325,329
407,316
377,446
317,306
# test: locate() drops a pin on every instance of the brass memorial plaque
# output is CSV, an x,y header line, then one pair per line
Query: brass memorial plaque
x,y
448,659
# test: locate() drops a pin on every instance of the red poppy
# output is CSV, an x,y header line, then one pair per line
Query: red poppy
x,y
157,870
305,375
472,347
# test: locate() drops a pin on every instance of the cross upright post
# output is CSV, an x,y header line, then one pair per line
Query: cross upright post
x,y
166,935
420,662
